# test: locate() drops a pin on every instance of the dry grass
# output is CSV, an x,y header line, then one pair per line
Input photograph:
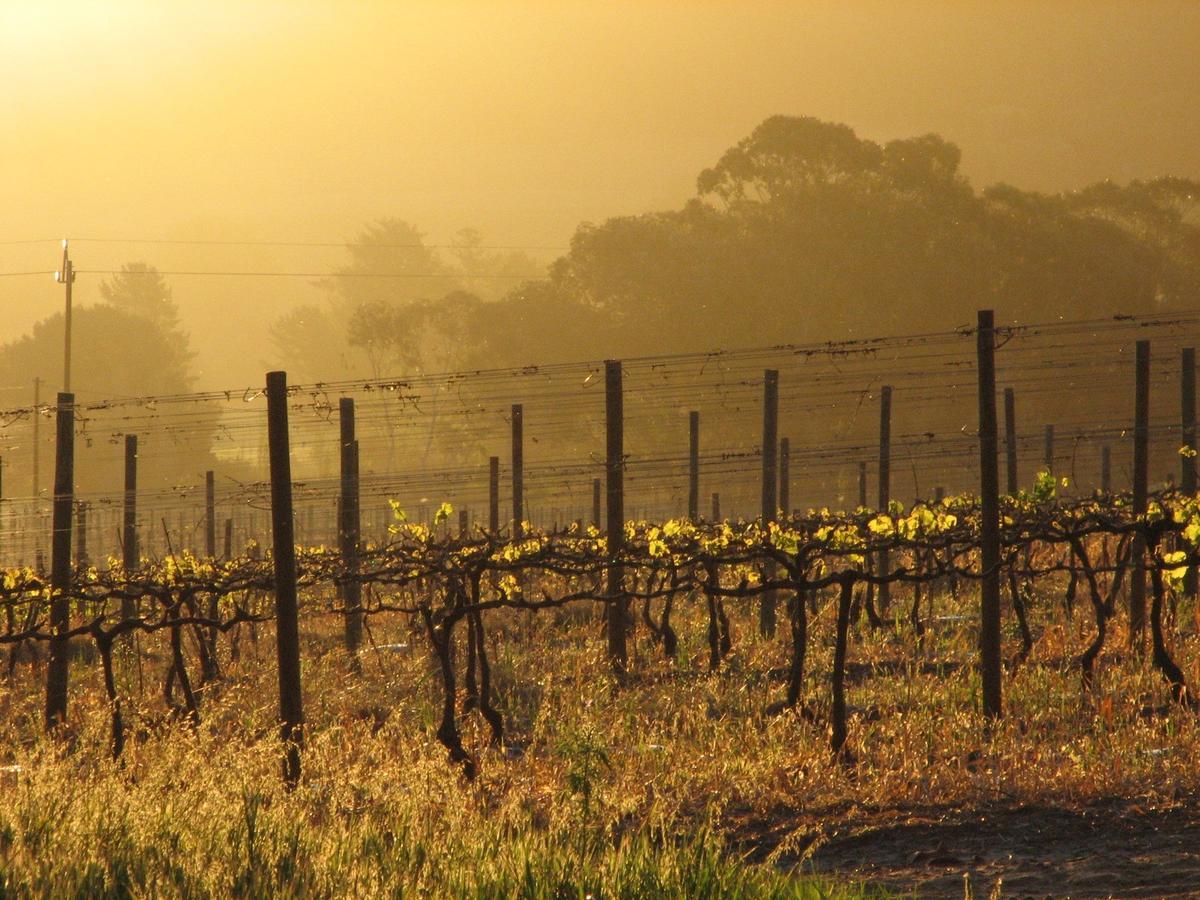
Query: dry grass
x,y
599,792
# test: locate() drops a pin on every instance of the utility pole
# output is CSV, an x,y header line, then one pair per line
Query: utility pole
x,y
66,277
37,416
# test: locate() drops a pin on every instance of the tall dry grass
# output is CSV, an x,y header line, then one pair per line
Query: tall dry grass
x,y
643,791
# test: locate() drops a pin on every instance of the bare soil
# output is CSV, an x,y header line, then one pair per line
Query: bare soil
x,y
1115,850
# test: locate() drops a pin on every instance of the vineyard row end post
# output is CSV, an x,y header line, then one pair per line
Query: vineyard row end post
x,y
885,485
770,475
785,478
1141,466
518,471
989,490
1010,440
693,465
350,527
287,628
614,428
81,541
131,553
210,515
58,668
210,550
493,495
1188,476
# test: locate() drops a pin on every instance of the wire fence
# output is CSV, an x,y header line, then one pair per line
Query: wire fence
x,y
428,438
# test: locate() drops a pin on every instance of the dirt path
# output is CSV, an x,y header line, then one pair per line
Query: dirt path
x,y
1107,851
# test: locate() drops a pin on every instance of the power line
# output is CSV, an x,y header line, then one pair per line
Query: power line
x,y
454,276
337,244
734,361
556,248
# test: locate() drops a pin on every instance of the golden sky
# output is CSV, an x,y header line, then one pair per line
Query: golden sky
x,y
303,120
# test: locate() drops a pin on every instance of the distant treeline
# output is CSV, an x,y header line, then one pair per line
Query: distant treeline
x,y
801,232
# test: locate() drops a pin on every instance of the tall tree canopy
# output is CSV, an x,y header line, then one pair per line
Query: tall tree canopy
x,y
140,289
397,305
129,345
803,231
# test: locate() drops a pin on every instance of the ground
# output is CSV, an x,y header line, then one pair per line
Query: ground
x,y
597,784
1115,849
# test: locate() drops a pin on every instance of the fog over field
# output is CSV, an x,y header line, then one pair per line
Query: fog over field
x,y
307,121
599,448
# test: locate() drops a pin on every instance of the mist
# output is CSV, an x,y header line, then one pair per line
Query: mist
x,y
304,122
705,449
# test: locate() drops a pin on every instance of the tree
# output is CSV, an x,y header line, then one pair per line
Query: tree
x,y
389,263
392,307
383,331
1053,261
118,353
803,232
140,290
353,335
489,274
310,343
786,154
508,333
1163,216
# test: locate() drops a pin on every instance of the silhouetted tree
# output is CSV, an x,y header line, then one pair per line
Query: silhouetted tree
x,y
141,289
125,347
785,155
804,231
394,307
310,342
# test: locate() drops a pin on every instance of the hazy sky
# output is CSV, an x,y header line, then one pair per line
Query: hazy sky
x,y
303,120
